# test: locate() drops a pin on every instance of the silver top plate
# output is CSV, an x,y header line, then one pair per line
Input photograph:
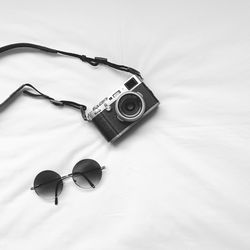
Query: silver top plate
x,y
107,101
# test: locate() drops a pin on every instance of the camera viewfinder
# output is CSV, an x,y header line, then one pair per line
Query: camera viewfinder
x,y
131,83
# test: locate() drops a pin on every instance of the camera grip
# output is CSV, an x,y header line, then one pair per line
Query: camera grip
x,y
103,125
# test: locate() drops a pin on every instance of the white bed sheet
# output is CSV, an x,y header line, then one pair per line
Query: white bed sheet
x,y
180,180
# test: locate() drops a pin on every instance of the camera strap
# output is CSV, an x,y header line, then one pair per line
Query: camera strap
x,y
25,88
92,61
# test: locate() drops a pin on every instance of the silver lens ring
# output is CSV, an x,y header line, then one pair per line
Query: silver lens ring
x,y
127,116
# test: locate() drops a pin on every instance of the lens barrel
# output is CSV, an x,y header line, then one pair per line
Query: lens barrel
x,y
130,106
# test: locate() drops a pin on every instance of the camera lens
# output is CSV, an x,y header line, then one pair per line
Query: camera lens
x,y
130,106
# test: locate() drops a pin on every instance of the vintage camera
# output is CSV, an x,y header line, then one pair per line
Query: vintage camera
x,y
116,114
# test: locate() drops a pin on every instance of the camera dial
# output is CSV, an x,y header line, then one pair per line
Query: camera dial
x,y
130,106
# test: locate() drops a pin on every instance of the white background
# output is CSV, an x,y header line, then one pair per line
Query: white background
x,y
178,181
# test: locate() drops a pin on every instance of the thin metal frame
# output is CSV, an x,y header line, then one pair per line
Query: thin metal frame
x,y
66,177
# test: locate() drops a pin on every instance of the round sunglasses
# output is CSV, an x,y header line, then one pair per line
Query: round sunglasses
x,y
86,174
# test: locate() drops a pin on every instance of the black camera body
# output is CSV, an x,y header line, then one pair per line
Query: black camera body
x,y
116,114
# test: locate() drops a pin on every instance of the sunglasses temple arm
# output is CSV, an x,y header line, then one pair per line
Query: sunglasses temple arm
x,y
89,181
56,192
86,178
33,188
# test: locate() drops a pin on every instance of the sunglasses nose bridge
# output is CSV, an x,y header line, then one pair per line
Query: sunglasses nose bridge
x,y
66,176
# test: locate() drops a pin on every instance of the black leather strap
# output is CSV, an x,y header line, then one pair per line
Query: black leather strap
x,y
92,61
36,93
25,89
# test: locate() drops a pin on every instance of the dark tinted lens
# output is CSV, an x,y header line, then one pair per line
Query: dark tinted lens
x,y
46,183
87,173
130,105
